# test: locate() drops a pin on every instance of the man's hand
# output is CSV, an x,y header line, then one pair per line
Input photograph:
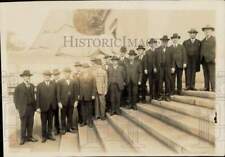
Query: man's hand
x,y
38,110
139,82
172,70
93,97
60,105
146,71
184,65
155,70
78,97
75,103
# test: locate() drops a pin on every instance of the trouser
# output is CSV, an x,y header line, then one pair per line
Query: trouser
x,y
156,90
79,112
100,105
56,118
124,96
132,93
108,103
165,77
190,72
177,76
115,95
152,86
67,115
27,122
86,111
143,88
46,122
209,75
75,118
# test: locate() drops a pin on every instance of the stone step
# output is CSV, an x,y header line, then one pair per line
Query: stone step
x,y
186,109
69,144
113,143
201,94
199,128
176,139
140,140
89,143
197,101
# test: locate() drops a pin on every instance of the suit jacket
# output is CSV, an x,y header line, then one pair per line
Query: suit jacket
x,y
208,49
134,72
143,60
193,50
46,96
150,60
122,62
65,92
87,85
24,96
56,87
116,76
179,55
169,61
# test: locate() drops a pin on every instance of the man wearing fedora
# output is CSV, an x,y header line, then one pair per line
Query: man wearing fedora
x,y
67,100
86,95
165,66
55,80
150,69
24,99
123,60
142,87
46,103
134,77
116,82
207,56
180,60
101,78
192,47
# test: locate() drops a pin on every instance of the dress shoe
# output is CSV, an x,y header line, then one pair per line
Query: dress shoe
x,y
31,139
50,137
62,132
22,141
160,99
193,89
103,118
90,124
167,99
43,140
71,130
82,124
135,107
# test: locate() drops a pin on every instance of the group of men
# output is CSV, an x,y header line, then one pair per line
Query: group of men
x,y
113,81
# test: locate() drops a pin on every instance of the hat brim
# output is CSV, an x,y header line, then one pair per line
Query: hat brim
x,y
193,32
140,48
162,39
22,75
47,74
56,73
175,37
210,28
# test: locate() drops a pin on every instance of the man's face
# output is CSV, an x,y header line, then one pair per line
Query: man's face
x,y
114,62
140,51
193,35
26,79
164,43
208,32
151,45
47,77
132,57
67,75
56,77
175,40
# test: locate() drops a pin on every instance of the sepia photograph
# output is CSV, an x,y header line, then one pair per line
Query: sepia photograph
x,y
113,78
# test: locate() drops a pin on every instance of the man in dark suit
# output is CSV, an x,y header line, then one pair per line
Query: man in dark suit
x,y
67,100
46,102
56,78
192,47
134,76
24,99
151,71
122,62
165,66
180,59
116,84
87,92
208,55
142,87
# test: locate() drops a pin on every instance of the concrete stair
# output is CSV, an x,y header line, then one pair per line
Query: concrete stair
x,y
112,141
177,139
140,140
201,94
195,126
